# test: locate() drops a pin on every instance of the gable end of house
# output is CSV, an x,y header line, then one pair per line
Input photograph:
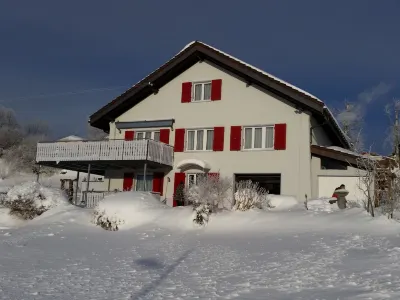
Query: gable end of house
x,y
197,52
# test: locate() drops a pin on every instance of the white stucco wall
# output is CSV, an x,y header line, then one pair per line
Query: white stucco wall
x,y
240,105
317,172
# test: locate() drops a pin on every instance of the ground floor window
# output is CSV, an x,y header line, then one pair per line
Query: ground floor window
x,y
194,178
140,183
270,182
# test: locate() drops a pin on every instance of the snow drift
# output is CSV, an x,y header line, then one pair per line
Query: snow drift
x,y
322,205
280,202
127,210
30,199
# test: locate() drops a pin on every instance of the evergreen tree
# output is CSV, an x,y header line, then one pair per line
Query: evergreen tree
x,y
180,194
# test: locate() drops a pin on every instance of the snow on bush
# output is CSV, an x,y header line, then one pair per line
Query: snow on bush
x,y
249,195
30,199
208,195
126,210
201,214
279,202
215,191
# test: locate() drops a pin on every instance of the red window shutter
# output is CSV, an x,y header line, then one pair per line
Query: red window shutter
x,y
129,134
218,143
216,89
236,138
158,182
280,137
216,175
179,178
179,140
186,92
164,136
128,181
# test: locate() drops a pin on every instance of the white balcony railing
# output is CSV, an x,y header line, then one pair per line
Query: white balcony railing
x,y
92,198
111,150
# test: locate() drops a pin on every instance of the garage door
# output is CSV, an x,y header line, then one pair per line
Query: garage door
x,y
327,184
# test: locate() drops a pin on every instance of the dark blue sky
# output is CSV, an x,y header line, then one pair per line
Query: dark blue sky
x,y
334,50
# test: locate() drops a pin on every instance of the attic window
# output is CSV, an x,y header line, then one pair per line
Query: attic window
x,y
202,91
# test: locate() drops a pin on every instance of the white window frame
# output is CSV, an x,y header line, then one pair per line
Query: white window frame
x,y
263,137
196,130
195,176
152,133
202,83
147,177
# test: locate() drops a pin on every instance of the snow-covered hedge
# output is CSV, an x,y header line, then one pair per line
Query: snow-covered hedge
x,y
127,209
30,199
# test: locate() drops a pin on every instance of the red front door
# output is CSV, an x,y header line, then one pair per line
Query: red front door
x,y
128,181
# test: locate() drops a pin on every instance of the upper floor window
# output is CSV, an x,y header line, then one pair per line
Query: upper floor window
x,y
147,135
200,139
258,137
202,91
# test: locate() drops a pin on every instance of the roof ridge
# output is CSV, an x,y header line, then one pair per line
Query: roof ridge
x,y
252,67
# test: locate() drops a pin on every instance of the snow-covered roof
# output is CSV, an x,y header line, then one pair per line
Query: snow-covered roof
x,y
349,152
71,138
254,68
340,149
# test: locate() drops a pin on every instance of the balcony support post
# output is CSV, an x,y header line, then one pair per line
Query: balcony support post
x,y
76,188
87,183
144,176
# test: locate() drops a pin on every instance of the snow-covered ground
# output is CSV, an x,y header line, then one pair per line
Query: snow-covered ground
x,y
276,254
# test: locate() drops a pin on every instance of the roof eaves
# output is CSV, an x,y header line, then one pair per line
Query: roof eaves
x,y
142,81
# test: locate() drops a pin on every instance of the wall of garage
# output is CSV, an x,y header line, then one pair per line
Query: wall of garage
x,y
323,182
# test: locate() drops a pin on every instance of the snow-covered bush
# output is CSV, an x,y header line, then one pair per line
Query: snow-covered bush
x,y
212,190
249,195
106,221
201,214
127,209
30,199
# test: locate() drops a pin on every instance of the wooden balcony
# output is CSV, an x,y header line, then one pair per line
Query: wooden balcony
x,y
104,155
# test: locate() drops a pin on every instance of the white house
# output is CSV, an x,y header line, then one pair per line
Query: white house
x,y
204,112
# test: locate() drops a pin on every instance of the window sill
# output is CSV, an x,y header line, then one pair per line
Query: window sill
x,y
256,150
200,101
195,151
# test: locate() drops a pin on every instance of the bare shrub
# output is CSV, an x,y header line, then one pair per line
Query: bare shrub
x,y
11,133
23,155
25,208
249,195
7,169
367,169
